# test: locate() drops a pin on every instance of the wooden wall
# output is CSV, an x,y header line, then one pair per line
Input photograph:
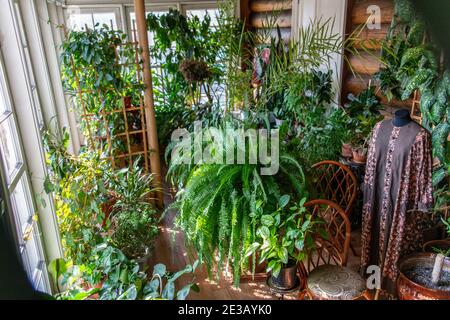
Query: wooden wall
x,y
365,65
260,10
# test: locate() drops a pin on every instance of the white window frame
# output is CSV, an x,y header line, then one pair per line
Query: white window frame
x,y
91,9
16,71
23,233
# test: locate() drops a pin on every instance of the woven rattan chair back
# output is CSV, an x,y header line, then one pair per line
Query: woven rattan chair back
x,y
335,182
332,243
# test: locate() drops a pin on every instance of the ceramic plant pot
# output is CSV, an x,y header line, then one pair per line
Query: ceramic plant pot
x,y
287,278
359,156
414,282
346,150
441,245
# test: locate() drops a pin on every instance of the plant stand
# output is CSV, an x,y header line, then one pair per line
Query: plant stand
x,y
359,170
277,291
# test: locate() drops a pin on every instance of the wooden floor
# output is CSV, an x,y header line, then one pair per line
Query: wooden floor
x,y
170,249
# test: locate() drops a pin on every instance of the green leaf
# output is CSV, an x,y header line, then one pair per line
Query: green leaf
x,y
276,269
195,265
159,269
415,34
420,78
152,286
438,176
184,292
264,232
251,249
57,268
267,220
305,225
439,139
129,294
299,244
169,291
427,100
283,255
412,55
178,274
85,294
284,200
48,185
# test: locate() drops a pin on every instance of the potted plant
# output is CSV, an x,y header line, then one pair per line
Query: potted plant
x,y
347,150
112,276
134,217
364,113
415,281
359,152
426,276
284,238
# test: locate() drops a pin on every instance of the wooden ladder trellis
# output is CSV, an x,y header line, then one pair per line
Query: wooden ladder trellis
x,y
125,108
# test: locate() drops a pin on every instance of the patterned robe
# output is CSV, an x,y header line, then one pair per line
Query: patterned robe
x,y
397,194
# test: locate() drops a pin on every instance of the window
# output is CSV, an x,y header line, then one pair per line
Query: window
x,y
78,18
19,191
132,16
30,75
201,13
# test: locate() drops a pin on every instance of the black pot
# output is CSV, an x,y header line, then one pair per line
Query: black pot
x,y
287,278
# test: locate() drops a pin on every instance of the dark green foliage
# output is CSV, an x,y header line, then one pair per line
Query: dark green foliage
x,y
182,43
364,113
284,236
410,65
134,217
83,186
112,276
98,75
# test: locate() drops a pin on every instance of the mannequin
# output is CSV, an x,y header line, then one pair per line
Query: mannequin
x,y
397,194
401,118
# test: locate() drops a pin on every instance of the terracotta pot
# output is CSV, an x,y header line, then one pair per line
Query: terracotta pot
x,y
287,278
410,290
346,150
359,156
438,244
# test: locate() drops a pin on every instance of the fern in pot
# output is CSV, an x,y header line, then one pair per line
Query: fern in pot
x,y
220,206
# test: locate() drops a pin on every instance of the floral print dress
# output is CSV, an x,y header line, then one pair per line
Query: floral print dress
x,y
397,196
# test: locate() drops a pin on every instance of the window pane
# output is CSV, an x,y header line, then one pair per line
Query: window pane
x,y
201,13
78,21
36,102
108,18
8,145
32,259
21,203
3,105
151,40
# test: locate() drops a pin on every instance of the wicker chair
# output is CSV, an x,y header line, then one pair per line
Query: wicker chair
x,y
336,182
324,270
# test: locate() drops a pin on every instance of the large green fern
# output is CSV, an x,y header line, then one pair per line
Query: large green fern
x,y
220,206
